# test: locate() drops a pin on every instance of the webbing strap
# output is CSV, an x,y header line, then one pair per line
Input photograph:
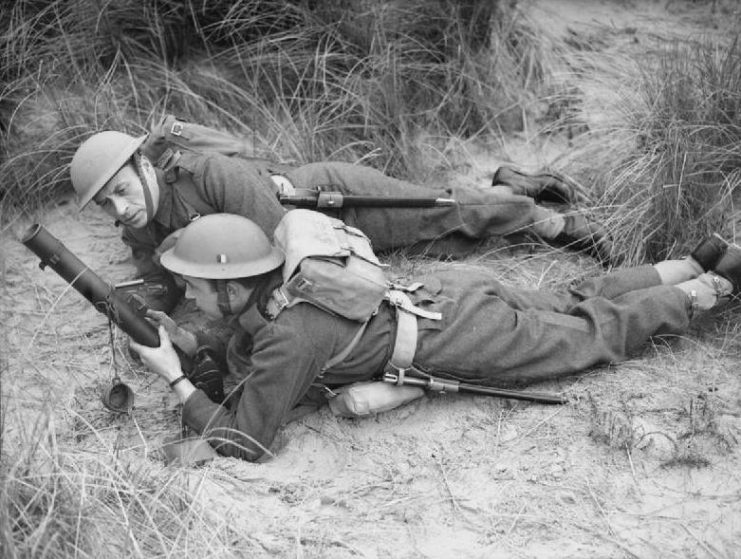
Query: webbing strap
x,y
342,355
401,300
405,344
276,303
146,186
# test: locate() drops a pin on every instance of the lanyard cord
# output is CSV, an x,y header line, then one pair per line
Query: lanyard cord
x,y
114,363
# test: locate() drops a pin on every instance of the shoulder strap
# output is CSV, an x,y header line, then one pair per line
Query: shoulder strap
x,y
278,301
184,190
342,355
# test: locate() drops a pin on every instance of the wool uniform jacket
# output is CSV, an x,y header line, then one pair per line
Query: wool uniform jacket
x,y
202,184
489,334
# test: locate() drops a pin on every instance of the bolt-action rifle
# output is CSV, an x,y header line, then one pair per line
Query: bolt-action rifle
x,y
321,199
435,384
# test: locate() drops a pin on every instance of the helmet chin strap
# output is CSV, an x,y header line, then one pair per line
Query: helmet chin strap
x,y
224,302
222,298
148,178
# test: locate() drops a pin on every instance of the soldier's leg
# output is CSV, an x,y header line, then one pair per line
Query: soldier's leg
x,y
609,286
600,330
595,331
480,213
490,341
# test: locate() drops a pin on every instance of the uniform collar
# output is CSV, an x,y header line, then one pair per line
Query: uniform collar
x,y
253,314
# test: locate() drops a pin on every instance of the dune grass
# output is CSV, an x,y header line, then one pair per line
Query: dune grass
x,y
668,175
304,84
368,85
59,502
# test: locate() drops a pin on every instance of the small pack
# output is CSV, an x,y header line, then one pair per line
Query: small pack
x,y
329,265
171,136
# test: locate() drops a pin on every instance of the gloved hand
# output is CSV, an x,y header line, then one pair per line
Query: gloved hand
x,y
542,187
207,375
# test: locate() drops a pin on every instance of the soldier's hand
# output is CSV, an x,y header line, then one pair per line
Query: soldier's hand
x,y
162,360
542,187
185,340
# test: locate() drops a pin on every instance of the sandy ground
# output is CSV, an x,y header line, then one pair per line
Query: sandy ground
x,y
643,461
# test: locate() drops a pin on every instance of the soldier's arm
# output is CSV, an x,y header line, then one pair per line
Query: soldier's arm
x,y
282,366
234,185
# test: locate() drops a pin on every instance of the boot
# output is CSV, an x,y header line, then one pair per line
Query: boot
x,y
581,233
706,291
729,267
542,187
709,252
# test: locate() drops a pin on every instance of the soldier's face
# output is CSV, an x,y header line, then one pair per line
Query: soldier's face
x,y
123,199
204,294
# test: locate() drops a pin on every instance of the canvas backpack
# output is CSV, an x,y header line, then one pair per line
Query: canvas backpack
x,y
329,265
332,266
172,136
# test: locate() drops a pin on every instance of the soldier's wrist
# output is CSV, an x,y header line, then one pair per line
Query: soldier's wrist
x,y
171,376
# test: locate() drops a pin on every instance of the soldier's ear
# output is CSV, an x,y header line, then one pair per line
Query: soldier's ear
x,y
237,291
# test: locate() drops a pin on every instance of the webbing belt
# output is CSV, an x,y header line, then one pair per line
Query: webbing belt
x,y
405,344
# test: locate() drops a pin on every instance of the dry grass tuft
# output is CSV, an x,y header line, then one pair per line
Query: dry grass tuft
x,y
361,83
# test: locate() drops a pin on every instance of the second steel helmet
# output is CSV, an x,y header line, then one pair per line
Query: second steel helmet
x,y
222,246
99,158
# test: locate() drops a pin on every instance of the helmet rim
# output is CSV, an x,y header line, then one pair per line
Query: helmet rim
x,y
222,246
112,168
217,271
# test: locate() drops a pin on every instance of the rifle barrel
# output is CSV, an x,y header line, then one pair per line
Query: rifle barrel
x,y
392,202
540,397
435,384
338,200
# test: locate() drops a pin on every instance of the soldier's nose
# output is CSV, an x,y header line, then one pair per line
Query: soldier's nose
x,y
119,206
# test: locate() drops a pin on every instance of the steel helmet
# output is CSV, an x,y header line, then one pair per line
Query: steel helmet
x,y
98,159
222,246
